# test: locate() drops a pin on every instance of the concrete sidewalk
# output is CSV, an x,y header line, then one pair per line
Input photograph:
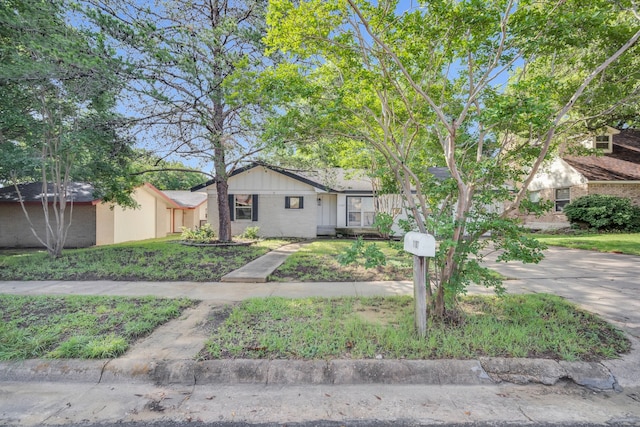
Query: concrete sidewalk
x,y
207,291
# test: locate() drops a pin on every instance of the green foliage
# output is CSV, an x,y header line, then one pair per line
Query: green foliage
x,y
603,212
154,260
318,261
252,233
196,67
58,92
539,325
202,234
383,222
369,252
408,91
95,327
64,84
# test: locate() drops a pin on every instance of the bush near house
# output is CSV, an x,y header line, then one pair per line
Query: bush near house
x,y
204,234
603,213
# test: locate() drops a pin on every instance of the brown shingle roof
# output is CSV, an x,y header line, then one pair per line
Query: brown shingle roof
x,y
623,164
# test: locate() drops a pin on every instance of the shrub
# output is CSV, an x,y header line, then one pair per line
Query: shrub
x,y
203,234
384,223
251,233
603,212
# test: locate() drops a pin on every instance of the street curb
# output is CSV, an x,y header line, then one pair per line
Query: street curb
x,y
484,371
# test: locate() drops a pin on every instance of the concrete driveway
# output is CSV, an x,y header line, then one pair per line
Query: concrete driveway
x,y
603,283
608,284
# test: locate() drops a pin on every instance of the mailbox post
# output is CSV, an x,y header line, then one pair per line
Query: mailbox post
x,y
421,246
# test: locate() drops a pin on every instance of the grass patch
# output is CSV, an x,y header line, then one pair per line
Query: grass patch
x,y
86,327
317,262
154,260
540,326
612,242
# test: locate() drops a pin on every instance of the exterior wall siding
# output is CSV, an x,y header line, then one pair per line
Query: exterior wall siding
x,y
15,231
630,190
558,219
275,220
261,180
162,221
116,224
556,174
552,219
104,224
178,220
191,218
136,224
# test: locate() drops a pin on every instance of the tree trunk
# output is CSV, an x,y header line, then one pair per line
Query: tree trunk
x,y
450,265
224,219
222,189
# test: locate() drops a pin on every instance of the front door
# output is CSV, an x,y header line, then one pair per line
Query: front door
x,y
327,214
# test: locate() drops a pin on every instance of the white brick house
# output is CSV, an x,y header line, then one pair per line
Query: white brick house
x,y
283,203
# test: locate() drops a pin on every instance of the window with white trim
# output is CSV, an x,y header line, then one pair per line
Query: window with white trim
x,y
563,197
360,211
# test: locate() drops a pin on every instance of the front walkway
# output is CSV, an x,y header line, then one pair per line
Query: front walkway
x,y
259,270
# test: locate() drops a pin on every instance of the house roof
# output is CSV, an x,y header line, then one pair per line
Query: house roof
x,y
439,172
622,164
79,192
339,180
332,180
186,199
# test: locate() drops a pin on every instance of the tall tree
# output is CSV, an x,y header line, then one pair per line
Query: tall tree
x,y
426,87
58,93
196,63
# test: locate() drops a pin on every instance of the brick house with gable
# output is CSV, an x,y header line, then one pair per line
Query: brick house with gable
x,y
616,172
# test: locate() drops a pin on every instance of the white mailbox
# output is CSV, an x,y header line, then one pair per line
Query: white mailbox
x,y
420,244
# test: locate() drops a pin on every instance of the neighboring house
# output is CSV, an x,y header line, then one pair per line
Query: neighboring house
x,y
92,221
305,204
616,172
191,211
151,219
15,231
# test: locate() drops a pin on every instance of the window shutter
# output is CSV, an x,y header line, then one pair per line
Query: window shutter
x,y
287,202
231,207
254,210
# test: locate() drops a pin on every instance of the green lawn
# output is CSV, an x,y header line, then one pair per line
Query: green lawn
x,y
154,260
89,327
168,260
617,243
537,325
318,262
